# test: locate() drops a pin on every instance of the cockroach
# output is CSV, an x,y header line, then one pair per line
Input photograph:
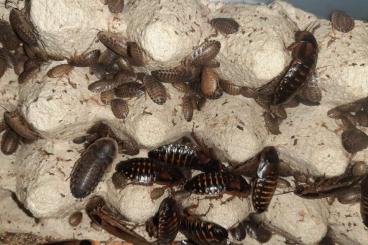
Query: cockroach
x,y
323,187
17,122
209,82
176,74
208,50
229,87
112,221
187,107
301,68
310,94
75,218
264,184
341,21
115,6
107,57
18,65
9,142
23,27
216,183
361,118
85,59
89,169
146,171
352,195
128,145
253,228
119,108
130,90
155,89
166,222
238,232
248,92
135,54
118,180
359,168
352,107
107,96
181,86
202,232
354,140
364,200
3,126
225,25
31,69
114,41
272,123
8,38
59,70
104,84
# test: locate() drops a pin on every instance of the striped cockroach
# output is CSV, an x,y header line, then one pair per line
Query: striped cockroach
x,y
202,232
341,21
85,59
89,169
216,183
23,27
165,222
155,89
176,74
181,86
364,200
225,25
8,38
9,142
59,70
136,55
107,57
301,68
112,221
119,108
75,218
229,87
130,90
187,107
146,171
323,187
104,84
209,82
17,122
207,51
113,41
128,145
107,96
264,184
115,6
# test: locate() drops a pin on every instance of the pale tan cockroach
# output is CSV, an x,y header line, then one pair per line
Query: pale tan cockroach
x,y
341,21
135,54
130,90
23,27
187,107
155,89
209,81
85,59
119,108
207,51
225,25
181,86
113,41
9,142
16,121
107,96
229,87
107,57
59,70
31,69
75,218
8,38
115,6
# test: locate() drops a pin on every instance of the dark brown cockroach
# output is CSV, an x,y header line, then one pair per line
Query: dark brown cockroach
x,y
135,54
310,94
155,89
229,87
23,27
128,145
146,171
217,183
16,122
8,38
9,142
272,123
202,232
225,25
85,59
107,96
208,50
19,61
112,221
359,168
75,218
89,169
341,21
352,107
181,86
323,187
119,108
104,84
248,92
31,69
209,81
176,74
301,68
115,6
59,70
264,184
364,200
253,228
166,222
187,107
361,118
351,195
354,140
113,41
130,90
119,181
107,57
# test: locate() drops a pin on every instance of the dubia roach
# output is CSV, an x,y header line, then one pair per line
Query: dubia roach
x,y
209,82
165,222
176,74
155,89
85,59
264,184
75,218
341,21
119,108
9,142
205,52
354,140
8,38
113,41
135,54
129,90
23,27
16,121
225,25
59,70
364,200
90,168
187,107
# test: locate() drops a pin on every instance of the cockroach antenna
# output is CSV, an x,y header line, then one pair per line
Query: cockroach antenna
x,y
283,193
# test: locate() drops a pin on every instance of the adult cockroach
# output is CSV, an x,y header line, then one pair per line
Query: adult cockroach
x,y
155,89
264,184
225,25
